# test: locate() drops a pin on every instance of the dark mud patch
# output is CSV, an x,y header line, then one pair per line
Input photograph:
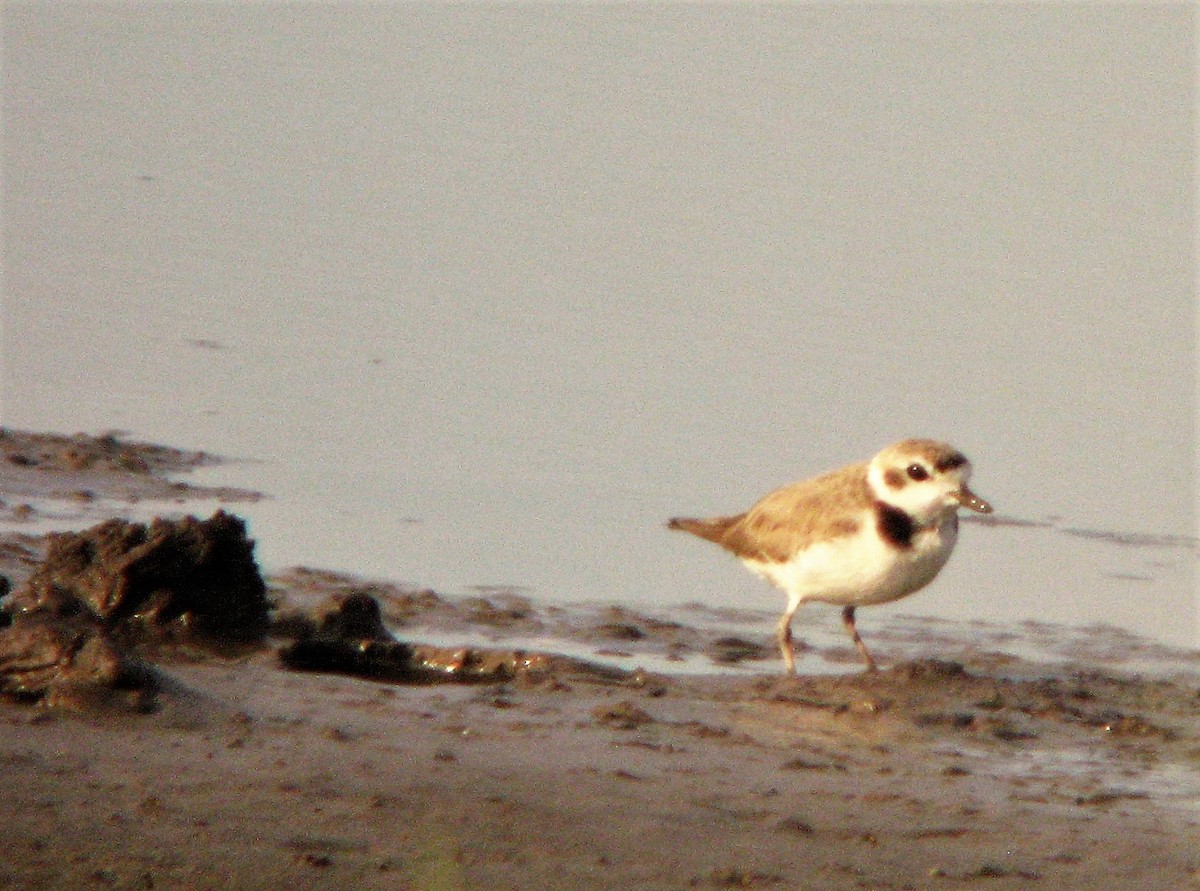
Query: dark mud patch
x,y
730,650
79,470
105,598
947,699
19,556
351,638
61,481
613,634
55,453
170,581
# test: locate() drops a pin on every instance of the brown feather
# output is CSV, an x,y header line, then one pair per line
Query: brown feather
x,y
788,519
710,530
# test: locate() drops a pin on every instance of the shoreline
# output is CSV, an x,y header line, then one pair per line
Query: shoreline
x,y
975,767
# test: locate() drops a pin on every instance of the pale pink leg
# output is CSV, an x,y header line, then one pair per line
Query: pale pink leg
x,y
848,621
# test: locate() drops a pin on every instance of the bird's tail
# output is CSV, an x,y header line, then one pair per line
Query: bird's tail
x,y
711,530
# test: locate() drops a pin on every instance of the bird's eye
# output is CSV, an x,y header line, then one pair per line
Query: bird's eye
x,y
917,472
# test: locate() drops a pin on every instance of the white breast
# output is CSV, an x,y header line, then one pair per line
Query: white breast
x,y
863,569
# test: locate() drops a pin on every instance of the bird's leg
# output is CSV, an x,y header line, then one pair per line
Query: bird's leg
x,y
848,621
784,633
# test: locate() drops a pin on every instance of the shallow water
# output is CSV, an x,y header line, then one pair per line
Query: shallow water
x,y
481,295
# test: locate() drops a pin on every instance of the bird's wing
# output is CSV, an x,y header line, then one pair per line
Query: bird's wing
x,y
789,519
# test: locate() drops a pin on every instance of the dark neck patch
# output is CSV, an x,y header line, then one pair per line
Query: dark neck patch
x,y
895,526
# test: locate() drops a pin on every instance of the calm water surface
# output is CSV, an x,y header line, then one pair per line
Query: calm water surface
x,y
481,295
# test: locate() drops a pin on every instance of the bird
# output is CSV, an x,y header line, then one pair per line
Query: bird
x,y
867,533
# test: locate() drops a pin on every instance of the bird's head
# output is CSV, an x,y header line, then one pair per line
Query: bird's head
x,y
924,478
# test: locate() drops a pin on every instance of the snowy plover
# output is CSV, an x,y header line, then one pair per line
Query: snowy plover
x,y
868,533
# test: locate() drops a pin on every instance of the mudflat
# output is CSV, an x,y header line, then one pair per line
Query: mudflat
x,y
501,766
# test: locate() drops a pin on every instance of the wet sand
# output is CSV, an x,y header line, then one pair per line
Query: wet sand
x,y
960,765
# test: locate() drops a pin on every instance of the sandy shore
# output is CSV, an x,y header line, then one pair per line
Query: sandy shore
x,y
986,771
250,777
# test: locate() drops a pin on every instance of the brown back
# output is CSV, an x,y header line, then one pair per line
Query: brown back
x,y
788,519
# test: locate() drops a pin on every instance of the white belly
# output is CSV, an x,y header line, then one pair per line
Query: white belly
x,y
861,570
